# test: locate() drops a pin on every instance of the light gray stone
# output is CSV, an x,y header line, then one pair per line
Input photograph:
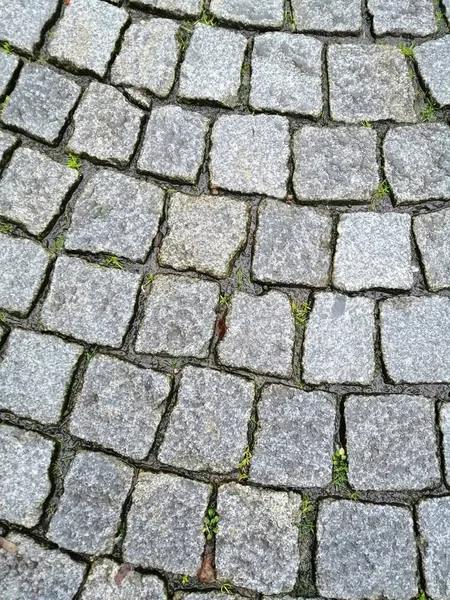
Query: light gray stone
x,y
106,126
207,596
212,65
373,251
329,16
415,339
24,480
264,13
205,233
370,83
433,59
434,528
120,406
365,551
208,426
391,443
41,103
292,245
335,165
250,154
22,25
164,525
139,97
417,162
116,214
179,317
287,74
398,17
180,8
89,302
260,334
9,63
447,8
339,340
148,57
89,510
35,375
174,144
33,189
256,543
294,438
432,232
444,422
38,573
7,144
86,36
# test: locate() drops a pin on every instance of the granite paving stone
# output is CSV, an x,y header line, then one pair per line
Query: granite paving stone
x,y
179,8
205,233
267,14
447,8
140,97
432,232
21,28
9,65
116,214
7,144
250,154
329,16
444,423
207,430
89,511
434,529
164,525
399,17
207,596
433,59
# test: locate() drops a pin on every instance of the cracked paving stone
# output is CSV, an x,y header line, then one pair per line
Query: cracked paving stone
x,y
179,317
24,480
86,36
208,426
433,59
294,438
329,16
263,555
445,428
370,83
116,214
398,17
415,339
7,144
9,64
174,144
23,28
89,512
41,103
106,126
35,375
164,525
90,302
250,154
120,406
287,74
432,232
260,334
373,545
391,443
339,340
434,529
335,165
212,66
35,572
264,13
33,189
417,162
205,233
292,245
373,251
179,8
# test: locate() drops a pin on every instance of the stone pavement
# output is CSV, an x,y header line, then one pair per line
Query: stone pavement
x,y
224,299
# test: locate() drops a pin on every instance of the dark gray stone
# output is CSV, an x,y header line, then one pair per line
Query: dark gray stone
x,y
337,16
7,144
264,13
432,232
9,63
444,422
400,17
434,528
433,59
22,24
179,8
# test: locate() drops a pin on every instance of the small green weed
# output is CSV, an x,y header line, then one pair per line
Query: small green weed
x,y
91,353
382,190
225,588
182,36
224,300
428,112
113,261
73,162
210,523
2,317
300,312
245,67
4,104
5,227
244,464
241,278
306,517
211,21
340,468
57,245
6,47
422,595
367,124
407,50
184,579
148,279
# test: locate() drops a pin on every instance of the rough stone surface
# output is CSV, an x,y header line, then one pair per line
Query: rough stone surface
x,y
33,189
417,162
23,28
434,528
89,302
120,406
208,426
41,103
174,144
370,83
398,17
373,251
287,74
205,233
264,13
164,525
7,144
335,165
212,66
295,438
250,154
432,232
35,374
335,16
24,481
207,596
339,340
180,8
86,36
444,423
106,126
292,245
117,215
9,64
391,443
264,554
447,8
415,339
179,317
260,334
373,545
433,59
88,513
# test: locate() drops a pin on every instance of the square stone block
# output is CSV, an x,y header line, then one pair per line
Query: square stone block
x,y
23,27
433,59
432,232
267,14
434,528
336,16
400,17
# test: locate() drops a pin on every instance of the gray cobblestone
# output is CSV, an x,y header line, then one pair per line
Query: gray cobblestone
x,y
180,8
9,64
340,16
23,28
444,422
400,17
7,144
447,8
265,13
433,59
432,231
434,519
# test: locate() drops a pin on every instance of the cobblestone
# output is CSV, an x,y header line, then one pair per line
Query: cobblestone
x,y
9,65
340,16
23,28
432,233
180,8
434,519
7,144
401,17
433,59
266,13
444,422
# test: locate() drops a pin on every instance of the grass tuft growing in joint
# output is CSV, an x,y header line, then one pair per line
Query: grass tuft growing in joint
x,y
428,112
244,464
407,50
382,190
300,312
306,516
6,47
113,261
73,162
210,524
